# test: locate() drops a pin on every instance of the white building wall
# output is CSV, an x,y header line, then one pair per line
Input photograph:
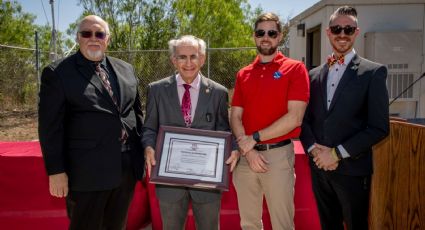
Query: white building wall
x,y
372,18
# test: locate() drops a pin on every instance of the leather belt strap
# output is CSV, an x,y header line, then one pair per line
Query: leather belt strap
x,y
265,147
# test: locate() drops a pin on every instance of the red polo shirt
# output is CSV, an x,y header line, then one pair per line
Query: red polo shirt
x,y
263,91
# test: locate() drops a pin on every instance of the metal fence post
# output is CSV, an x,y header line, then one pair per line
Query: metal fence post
x,y
208,59
37,61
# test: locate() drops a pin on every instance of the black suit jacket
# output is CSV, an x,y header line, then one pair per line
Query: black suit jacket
x,y
80,127
357,117
163,108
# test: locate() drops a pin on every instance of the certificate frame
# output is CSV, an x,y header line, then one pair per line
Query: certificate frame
x,y
191,157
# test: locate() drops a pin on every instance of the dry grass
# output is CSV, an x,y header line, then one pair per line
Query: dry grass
x,y
18,125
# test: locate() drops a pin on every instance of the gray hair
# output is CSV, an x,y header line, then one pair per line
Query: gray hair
x,y
94,18
187,40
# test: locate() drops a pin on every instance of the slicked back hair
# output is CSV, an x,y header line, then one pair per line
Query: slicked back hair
x,y
343,10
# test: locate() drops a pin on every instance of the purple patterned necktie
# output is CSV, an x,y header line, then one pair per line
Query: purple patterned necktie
x,y
105,82
104,77
186,106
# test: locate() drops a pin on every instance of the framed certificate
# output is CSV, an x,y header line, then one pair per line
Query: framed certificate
x,y
192,158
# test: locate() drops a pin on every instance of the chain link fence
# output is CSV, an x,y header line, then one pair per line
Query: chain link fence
x,y
19,76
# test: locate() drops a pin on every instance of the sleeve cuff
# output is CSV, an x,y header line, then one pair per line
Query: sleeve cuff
x,y
341,151
310,148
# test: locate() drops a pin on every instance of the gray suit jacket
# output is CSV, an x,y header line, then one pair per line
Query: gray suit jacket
x,y
163,108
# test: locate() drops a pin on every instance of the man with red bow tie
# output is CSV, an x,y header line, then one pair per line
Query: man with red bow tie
x,y
347,114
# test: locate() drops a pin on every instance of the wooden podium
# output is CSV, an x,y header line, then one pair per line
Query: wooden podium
x,y
398,181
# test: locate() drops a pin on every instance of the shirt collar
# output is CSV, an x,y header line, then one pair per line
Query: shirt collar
x,y
195,83
102,62
278,59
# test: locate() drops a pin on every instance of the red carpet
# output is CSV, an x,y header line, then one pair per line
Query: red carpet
x,y
25,202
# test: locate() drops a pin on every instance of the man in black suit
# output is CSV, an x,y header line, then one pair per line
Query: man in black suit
x,y
347,114
90,120
208,110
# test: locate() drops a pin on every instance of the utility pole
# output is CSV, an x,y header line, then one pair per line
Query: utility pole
x,y
53,54
37,61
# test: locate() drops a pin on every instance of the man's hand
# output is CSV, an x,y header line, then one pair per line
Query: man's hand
x,y
149,159
233,159
257,162
332,167
323,157
246,144
58,185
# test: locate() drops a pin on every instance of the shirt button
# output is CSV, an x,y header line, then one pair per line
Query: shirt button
x,y
329,100
261,75
264,68
333,85
336,69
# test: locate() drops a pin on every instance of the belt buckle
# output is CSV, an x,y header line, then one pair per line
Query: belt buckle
x,y
261,147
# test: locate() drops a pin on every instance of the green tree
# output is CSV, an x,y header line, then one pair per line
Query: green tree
x,y
223,23
135,24
18,76
16,29
15,25
150,24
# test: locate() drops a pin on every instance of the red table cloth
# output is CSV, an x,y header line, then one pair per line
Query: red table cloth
x,y
25,202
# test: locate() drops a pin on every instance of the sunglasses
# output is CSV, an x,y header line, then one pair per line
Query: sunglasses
x,y
270,33
348,30
89,34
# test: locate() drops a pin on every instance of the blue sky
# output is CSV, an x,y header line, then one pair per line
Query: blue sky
x,y
67,11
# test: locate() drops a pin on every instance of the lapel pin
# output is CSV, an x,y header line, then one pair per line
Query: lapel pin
x,y
277,75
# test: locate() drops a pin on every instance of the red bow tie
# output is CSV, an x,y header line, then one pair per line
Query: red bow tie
x,y
332,60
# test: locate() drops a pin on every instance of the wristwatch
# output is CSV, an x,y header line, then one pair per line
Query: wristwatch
x,y
256,136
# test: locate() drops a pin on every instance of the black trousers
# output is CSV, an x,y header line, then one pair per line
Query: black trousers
x,y
103,210
341,199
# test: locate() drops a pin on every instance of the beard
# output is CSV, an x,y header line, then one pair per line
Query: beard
x,y
342,49
266,51
96,55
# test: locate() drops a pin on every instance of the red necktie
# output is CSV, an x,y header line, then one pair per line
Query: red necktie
x,y
332,60
186,106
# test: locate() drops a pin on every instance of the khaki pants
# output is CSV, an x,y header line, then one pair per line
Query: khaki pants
x,y
277,185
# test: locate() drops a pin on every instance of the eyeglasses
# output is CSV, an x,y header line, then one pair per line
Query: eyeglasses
x,y
270,33
348,30
184,58
89,34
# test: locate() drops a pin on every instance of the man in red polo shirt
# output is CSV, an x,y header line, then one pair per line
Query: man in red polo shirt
x,y
268,106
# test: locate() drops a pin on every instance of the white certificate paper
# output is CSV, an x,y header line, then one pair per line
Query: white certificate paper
x,y
192,157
